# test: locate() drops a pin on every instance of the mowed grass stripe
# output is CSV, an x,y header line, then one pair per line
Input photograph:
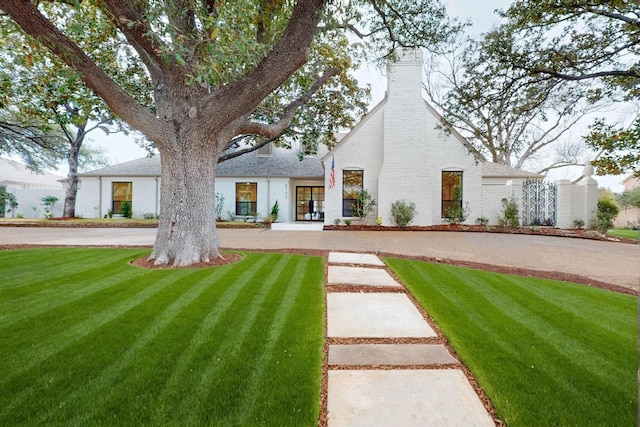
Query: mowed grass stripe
x,y
216,397
42,264
118,347
541,360
519,301
46,271
56,291
192,286
570,334
83,356
286,350
210,321
46,338
472,298
279,308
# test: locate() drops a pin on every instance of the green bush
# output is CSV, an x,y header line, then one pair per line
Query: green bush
x,y
457,213
275,210
49,204
578,223
403,212
510,213
607,212
482,220
126,209
364,205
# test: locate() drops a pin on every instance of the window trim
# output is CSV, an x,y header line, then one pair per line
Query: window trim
x,y
448,202
116,208
251,204
347,213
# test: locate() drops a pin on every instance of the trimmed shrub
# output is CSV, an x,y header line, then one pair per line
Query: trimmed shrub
x,y
607,212
364,205
482,220
403,212
275,211
457,213
125,209
510,213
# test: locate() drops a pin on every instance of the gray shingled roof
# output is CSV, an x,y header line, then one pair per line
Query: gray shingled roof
x,y
496,170
145,166
282,162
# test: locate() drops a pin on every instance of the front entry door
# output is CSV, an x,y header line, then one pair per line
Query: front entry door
x,y
309,203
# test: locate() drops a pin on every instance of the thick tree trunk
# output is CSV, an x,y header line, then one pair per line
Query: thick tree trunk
x,y
187,226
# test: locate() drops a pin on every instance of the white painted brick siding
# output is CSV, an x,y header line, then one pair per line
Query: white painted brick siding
x,y
416,151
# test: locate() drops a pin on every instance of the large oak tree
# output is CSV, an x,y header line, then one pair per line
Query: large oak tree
x,y
214,67
510,116
591,41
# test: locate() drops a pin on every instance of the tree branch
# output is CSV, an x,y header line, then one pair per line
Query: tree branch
x,y
134,27
119,101
287,55
272,129
233,154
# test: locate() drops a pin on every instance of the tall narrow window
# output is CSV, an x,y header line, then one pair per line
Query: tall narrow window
x,y
450,180
122,191
246,198
351,186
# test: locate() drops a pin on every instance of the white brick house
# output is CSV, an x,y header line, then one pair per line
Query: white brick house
x,y
399,152
249,185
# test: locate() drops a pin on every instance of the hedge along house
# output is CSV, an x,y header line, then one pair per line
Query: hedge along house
x,y
248,186
399,152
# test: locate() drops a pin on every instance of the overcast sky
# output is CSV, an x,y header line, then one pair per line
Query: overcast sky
x,y
480,13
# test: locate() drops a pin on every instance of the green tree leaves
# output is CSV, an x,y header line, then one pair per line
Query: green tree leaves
x,y
582,40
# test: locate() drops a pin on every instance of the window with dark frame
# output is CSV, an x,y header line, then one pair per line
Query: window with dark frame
x,y
351,185
450,179
246,198
122,191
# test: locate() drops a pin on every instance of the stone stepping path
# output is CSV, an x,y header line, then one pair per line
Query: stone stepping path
x,y
408,379
374,315
360,276
389,354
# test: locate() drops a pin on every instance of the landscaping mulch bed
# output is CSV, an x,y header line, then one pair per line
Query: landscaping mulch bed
x,y
110,223
225,259
580,233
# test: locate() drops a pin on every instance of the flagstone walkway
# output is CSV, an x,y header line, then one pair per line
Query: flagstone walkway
x,y
387,364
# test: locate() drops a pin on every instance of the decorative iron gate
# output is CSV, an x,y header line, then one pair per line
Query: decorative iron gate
x,y
538,203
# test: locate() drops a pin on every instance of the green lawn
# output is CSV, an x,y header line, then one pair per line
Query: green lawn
x,y
620,232
546,352
87,339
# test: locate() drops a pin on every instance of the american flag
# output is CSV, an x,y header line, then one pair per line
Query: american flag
x,y
332,173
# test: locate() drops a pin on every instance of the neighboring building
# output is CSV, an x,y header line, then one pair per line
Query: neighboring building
x,y
629,217
29,188
399,151
250,185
